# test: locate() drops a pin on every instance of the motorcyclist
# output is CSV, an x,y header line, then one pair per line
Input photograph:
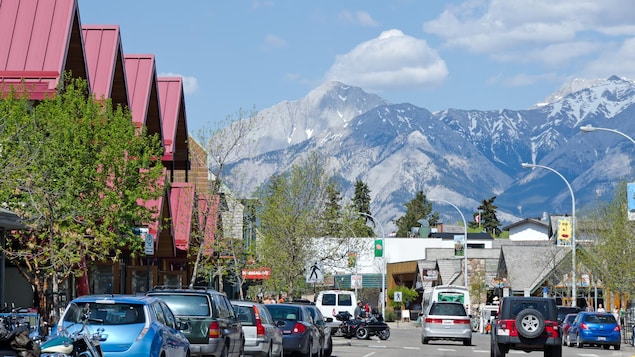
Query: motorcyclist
x,y
360,312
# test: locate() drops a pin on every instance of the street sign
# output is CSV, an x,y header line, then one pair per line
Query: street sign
x,y
315,274
149,243
397,296
356,281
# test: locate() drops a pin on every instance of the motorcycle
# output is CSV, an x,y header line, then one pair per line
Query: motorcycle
x,y
17,334
73,341
363,329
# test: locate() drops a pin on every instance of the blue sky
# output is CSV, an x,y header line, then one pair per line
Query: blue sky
x,y
470,54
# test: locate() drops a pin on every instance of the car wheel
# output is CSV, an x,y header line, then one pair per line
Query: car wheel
x,y
578,342
567,340
530,323
309,351
617,347
496,350
424,341
384,334
270,351
362,333
467,342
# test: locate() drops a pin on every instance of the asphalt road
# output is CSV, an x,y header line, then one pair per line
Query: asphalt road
x,y
405,341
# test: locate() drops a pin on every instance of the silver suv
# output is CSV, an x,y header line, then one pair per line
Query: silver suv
x,y
214,329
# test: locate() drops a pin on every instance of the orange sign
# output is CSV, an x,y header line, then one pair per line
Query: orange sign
x,y
256,274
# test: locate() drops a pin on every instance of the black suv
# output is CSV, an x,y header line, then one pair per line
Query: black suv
x,y
214,329
527,324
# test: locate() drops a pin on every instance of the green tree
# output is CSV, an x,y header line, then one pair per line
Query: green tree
x,y
611,257
361,204
488,220
417,209
292,205
79,191
229,141
407,295
332,224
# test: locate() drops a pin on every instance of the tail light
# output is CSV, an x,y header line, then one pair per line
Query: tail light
x,y
617,328
214,330
298,328
462,321
260,329
583,326
433,321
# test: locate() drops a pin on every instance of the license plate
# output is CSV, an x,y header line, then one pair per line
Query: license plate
x,y
601,338
448,322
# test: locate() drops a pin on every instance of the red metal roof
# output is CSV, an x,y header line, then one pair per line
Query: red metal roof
x,y
141,78
39,40
182,206
208,217
171,98
104,59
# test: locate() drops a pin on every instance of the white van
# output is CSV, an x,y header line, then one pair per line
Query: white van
x,y
331,302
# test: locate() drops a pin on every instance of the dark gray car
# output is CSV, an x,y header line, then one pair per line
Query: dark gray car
x,y
214,329
299,333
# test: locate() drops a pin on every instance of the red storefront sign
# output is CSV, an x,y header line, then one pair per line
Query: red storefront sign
x,y
255,274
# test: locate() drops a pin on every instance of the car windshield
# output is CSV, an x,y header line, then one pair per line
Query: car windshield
x,y
106,314
187,305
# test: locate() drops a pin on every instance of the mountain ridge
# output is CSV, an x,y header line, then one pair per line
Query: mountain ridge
x,y
460,156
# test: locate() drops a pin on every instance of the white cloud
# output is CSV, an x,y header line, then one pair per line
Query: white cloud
x,y
391,61
273,41
361,18
190,84
500,25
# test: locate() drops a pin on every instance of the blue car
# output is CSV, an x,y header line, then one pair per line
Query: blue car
x,y
594,328
128,325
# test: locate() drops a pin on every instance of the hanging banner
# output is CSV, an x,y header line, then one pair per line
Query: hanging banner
x,y
630,191
458,246
564,232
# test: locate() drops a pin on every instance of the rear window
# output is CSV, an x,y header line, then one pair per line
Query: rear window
x,y
246,315
447,310
332,299
187,305
519,305
284,312
106,314
600,319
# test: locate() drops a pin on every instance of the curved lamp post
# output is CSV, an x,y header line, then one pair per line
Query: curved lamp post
x,y
383,258
573,274
465,280
591,128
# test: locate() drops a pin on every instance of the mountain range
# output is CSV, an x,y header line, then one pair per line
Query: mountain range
x,y
458,156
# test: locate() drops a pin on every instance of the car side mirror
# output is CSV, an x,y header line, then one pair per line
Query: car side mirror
x,y
328,319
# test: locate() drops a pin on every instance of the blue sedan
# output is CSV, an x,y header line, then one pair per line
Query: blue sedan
x,y
128,325
594,328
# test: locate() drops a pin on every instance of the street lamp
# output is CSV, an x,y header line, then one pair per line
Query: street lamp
x,y
589,128
383,265
464,240
573,277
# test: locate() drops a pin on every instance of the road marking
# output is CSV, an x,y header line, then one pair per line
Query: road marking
x,y
411,348
447,349
369,354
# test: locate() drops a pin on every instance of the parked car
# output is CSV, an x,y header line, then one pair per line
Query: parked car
x,y
262,337
214,328
565,310
128,325
564,327
446,321
299,333
594,328
526,324
322,324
